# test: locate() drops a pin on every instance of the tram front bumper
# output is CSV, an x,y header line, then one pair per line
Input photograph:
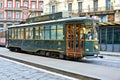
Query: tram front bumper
x,y
91,53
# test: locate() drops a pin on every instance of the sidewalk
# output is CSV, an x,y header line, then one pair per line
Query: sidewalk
x,y
117,54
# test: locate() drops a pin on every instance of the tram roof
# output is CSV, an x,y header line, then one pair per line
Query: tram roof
x,y
52,21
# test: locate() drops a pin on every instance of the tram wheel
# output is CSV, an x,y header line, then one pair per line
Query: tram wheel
x,y
47,54
61,56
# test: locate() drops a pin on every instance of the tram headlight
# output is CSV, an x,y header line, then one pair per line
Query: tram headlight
x,y
96,47
87,50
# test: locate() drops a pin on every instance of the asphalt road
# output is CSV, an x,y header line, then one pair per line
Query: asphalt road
x,y
91,67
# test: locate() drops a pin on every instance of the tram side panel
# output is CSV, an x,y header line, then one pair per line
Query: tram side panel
x,y
44,45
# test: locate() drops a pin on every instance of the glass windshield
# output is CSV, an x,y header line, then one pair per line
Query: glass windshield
x,y
91,34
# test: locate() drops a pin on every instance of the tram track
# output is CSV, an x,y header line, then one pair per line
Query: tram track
x,y
74,75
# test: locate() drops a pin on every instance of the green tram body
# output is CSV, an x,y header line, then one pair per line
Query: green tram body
x,y
61,37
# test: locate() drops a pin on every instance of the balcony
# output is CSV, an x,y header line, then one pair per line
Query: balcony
x,y
99,9
12,9
33,0
69,1
36,10
10,19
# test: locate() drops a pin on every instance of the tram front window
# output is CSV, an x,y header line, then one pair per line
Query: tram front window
x,y
91,34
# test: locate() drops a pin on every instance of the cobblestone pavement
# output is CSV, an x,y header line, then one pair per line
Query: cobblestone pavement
x,y
11,70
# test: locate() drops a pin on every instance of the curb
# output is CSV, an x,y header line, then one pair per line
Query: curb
x,y
117,54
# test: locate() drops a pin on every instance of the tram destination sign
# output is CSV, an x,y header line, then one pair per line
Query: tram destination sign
x,y
45,17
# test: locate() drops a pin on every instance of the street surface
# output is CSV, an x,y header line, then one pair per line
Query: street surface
x,y
11,70
100,68
109,61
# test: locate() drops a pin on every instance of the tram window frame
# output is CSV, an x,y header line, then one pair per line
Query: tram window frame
x,y
31,33
16,33
53,32
47,31
42,32
13,33
26,33
10,33
37,32
22,33
19,33
60,32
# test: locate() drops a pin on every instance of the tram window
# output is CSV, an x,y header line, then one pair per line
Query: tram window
x,y
22,33
27,33
42,32
19,33
47,32
31,33
91,34
16,33
10,33
37,35
13,33
53,32
59,31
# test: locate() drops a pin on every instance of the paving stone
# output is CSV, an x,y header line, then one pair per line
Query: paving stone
x,y
13,71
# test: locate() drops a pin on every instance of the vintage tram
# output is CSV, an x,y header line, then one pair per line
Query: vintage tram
x,y
69,37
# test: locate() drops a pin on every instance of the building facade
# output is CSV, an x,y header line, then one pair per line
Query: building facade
x,y
106,11
12,12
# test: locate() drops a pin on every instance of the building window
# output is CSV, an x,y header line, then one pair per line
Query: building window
x,y
41,6
0,15
108,4
7,25
17,15
53,8
33,5
26,4
117,2
70,7
9,15
95,5
117,35
109,35
103,18
0,5
79,6
1,25
17,4
103,36
25,15
33,15
9,4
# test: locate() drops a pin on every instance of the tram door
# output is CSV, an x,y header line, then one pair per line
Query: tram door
x,y
74,40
